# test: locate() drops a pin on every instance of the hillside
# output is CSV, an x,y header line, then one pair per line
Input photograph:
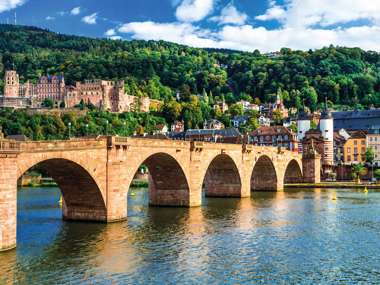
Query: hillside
x,y
159,69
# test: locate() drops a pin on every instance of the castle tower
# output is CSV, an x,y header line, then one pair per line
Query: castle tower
x,y
326,126
12,84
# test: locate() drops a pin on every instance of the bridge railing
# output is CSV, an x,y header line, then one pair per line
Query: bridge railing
x,y
9,146
32,146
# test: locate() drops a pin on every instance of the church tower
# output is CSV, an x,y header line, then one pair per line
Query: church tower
x,y
12,84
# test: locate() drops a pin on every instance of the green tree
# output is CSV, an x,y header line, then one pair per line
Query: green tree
x,y
48,103
357,171
236,109
370,155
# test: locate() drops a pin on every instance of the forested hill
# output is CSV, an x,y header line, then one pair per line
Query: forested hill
x,y
347,76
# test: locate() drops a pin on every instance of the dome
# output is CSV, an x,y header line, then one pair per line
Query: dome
x,y
326,114
303,116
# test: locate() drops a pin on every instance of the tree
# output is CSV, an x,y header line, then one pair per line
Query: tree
x,y
236,109
357,171
277,117
370,155
377,174
48,103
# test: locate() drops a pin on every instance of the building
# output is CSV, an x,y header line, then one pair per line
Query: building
x,y
161,129
274,136
213,124
264,121
248,106
280,107
230,135
326,126
373,141
103,94
340,138
239,121
177,127
320,139
357,120
222,106
355,148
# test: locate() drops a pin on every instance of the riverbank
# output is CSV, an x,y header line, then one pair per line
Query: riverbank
x,y
136,183
338,184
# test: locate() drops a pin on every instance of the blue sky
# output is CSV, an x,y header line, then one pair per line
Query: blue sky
x,y
267,25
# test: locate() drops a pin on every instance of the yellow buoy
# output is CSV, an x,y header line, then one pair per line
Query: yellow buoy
x,y
133,194
334,197
60,201
365,190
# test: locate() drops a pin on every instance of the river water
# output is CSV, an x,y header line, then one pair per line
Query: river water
x,y
295,237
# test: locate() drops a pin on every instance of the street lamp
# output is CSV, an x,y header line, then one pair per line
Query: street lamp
x,y
86,130
124,127
69,129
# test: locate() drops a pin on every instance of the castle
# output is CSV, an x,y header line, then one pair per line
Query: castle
x,y
103,94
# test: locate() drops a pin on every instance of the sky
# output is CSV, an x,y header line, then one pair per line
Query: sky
x,y
266,25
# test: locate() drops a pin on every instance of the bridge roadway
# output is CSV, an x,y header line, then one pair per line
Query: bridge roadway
x,y
94,175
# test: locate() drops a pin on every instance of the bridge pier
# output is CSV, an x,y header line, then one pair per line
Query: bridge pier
x,y
8,201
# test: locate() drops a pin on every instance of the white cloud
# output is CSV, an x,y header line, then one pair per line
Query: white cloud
x,y
230,15
308,13
274,12
249,38
110,33
303,24
75,11
49,18
183,33
90,19
6,5
194,10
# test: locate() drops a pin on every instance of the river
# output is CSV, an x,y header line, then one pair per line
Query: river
x,y
293,237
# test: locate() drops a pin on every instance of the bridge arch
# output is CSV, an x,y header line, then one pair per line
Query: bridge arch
x,y
264,175
168,184
82,195
293,172
222,178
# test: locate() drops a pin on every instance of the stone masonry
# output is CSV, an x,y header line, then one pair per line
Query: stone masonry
x,y
94,175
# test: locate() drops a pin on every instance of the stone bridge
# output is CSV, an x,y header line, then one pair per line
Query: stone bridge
x,y
94,175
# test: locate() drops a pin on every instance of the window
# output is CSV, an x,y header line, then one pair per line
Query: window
x,y
371,139
348,157
363,149
348,150
363,142
355,150
355,142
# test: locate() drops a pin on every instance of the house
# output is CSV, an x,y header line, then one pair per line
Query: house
x,y
222,105
373,141
264,121
340,138
239,121
248,106
177,127
355,148
274,136
161,129
213,124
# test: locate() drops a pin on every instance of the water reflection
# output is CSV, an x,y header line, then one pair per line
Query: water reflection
x,y
297,236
